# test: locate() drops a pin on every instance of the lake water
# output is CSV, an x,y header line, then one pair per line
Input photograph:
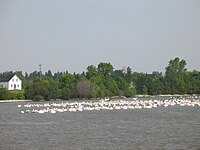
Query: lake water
x,y
163,128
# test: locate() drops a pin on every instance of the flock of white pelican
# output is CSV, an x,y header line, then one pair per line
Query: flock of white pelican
x,y
78,106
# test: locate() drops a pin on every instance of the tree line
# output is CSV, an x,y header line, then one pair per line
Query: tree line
x,y
105,81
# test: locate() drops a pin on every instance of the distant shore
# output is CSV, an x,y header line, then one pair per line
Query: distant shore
x,y
167,95
114,97
9,101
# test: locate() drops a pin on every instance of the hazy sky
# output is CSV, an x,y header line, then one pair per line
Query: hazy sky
x,y
73,34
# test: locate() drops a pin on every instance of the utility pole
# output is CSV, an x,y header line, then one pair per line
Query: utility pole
x,y
124,70
40,68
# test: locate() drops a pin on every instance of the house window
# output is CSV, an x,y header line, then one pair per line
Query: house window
x,y
16,80
13,80
17,85
11,85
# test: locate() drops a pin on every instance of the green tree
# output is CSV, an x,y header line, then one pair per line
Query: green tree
x,y
66,81
128,75
91,72
111,87
67,84
140,80
53,89
122,84
192,80
155,83
174,76
105,69
49,74
37,90
176,65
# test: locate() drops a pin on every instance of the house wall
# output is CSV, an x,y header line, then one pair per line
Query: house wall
x,y
15,83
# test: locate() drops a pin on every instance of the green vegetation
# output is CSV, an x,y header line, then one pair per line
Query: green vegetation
x,y
17,94
105,81
13,95
4,94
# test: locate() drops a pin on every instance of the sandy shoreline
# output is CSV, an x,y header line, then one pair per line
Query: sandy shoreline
x,y
9,101
138,96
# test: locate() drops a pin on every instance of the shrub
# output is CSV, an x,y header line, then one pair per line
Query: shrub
x,y
4,94
38,98
17,94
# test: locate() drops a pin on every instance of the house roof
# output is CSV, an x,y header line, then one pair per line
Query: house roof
x,y
6,77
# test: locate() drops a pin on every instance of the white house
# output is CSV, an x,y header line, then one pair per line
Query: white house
x,y
11,82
